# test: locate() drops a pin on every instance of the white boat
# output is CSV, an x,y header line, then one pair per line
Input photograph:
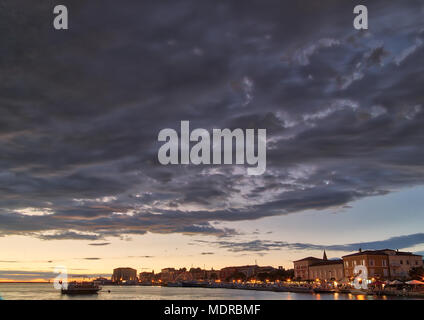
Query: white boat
x,y
81,288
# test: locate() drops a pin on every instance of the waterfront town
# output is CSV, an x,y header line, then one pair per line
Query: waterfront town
x,y
388,272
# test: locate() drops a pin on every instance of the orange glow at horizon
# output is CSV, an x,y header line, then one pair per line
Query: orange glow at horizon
x,y
31,280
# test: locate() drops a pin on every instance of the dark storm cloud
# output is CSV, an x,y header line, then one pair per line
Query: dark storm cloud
x,y
80,111
401,242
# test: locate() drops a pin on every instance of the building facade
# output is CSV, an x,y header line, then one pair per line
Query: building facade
x,y
376,262
124,275
401,263
301,268
382,264
146,277
248,271
327,270
312,268
168,274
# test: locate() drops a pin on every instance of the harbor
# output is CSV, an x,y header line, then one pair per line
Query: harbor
x,y
305,288
379,273
46,291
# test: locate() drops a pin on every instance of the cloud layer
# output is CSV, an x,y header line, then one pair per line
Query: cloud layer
x,y
80,111
258,246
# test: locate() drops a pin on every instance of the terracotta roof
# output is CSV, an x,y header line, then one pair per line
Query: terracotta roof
x,y
380,253
367,252
327,262
308,258
400,253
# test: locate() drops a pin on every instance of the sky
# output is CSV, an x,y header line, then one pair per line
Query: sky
x,y
80,112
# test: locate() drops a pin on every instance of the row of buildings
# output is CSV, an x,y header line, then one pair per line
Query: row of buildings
x,y
129,275
381,264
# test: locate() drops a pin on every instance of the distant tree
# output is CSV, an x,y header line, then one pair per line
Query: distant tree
x,y
281,274
417,273
277,274
290,273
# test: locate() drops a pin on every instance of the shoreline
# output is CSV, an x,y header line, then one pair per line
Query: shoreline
x,y
231,286
293,289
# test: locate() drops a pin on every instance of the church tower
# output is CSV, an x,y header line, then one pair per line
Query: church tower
x,y
324,257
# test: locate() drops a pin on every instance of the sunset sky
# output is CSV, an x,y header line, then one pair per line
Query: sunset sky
x,y
81,109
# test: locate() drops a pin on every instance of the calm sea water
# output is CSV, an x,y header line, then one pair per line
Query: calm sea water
x,y
28,291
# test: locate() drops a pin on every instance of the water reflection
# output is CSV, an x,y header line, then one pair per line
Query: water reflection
x,y
46,291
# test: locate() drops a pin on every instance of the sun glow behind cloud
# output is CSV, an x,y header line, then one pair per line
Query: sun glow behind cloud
x,y
34,211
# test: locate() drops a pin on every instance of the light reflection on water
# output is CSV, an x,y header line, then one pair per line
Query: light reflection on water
x,y
45,291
